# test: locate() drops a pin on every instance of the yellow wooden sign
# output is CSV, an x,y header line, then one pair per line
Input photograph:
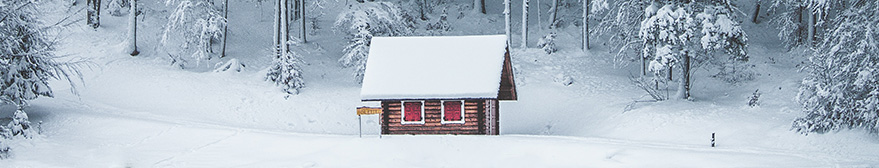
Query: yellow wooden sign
x,y
368,110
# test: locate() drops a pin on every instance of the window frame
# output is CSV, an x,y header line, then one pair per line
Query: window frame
x,y
443,113
403,113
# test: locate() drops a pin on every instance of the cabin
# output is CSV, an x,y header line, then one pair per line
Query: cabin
x,y
439,85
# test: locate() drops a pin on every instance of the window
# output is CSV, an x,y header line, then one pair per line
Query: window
x,y
413,112
453,112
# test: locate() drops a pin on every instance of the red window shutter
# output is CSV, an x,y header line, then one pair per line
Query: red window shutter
x,y
412,111
452,110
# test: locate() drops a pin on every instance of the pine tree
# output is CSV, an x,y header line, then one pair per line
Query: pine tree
x,y
547,43
670,34
27,60
286,72
364,20
20,125
841,90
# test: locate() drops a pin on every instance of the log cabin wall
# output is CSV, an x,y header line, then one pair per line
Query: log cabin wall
x,y
474,119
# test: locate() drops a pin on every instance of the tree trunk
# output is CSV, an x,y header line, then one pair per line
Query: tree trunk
x,y
479,6
585,41
507,23
296,10
524,23
284,24
810,37
225,27
800,25
756,12
277,29
94,13
643,66
132,28
422,4
684,85
303,30
553,12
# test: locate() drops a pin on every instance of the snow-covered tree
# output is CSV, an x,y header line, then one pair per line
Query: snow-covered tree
x,y
118,7
286,72
27,61
20,125
670,32
622,25
364,20
841,90
441,25
193,24
801,21
590,6
286,68
547,43
4,148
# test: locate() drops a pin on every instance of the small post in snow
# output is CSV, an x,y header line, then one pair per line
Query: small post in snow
x,y
712,139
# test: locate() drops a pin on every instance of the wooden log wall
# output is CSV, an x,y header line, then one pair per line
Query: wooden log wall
x,y
474,119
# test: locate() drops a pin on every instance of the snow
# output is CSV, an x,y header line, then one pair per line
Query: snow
x,y
446,67
140,112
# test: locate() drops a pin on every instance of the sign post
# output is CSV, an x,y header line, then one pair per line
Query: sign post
x,y
366,111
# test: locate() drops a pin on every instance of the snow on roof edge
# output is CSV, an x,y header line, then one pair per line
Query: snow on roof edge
x,y
425,60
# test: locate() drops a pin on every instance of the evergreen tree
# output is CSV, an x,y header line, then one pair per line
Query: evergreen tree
x,y
286,72
364,20
670,32
841,90
27,61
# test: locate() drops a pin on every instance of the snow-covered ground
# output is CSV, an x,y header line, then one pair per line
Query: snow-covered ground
x,y
141,112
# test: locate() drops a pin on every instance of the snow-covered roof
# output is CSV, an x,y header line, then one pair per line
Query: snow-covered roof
x,y
440,67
